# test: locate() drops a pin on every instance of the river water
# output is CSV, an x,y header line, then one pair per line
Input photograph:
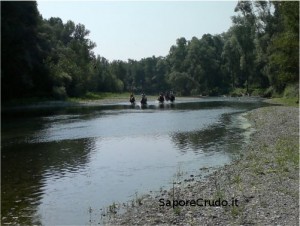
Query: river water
x,y
63,166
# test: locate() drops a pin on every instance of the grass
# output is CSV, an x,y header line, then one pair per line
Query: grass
x,y
99,96
177,210
90,96
288,153
219,192
237,179
113,208
285,157
291,101
179,173
138,199
235,211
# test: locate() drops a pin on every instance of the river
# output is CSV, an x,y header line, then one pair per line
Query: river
x,y
66,165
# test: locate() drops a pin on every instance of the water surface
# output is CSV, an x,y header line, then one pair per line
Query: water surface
x,y
58,163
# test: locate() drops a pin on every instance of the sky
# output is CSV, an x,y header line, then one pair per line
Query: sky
x,y
139,29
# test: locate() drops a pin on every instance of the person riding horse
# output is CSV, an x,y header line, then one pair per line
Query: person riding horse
x,y
172,96
167,96
144,99
161,98
132,99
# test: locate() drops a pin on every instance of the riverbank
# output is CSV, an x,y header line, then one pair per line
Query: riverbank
x,y
81,102
99,99
292,102
262,184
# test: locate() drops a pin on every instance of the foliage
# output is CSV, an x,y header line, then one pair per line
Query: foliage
x,y
284,47
292,101
59,92
257,92
20,49
258,55
238,92
291,90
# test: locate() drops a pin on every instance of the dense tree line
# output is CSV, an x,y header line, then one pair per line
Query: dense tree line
x,y
49,58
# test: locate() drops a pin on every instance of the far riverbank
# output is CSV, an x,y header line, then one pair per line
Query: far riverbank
x,y
99,99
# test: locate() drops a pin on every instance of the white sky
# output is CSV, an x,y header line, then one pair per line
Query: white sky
x,y
134,30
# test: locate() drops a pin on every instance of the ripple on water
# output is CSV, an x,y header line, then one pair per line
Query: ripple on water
x,y
84,158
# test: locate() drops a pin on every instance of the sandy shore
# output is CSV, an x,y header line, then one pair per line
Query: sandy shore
x,y
260,188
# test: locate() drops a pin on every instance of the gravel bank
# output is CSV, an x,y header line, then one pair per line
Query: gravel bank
x,y
261,187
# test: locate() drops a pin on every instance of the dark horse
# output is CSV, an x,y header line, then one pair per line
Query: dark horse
x,y
132,99
172,97
144,99
161,98
167,96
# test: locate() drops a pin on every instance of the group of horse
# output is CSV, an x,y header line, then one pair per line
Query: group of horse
x,y
169,96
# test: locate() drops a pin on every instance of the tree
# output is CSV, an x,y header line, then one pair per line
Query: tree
x,y
50,58
231,57
244,32
22,58
70,60
177,55
181,82
283,67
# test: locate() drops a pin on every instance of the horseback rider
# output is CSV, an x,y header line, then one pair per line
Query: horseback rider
x,y
167,96
172,96
132,98
161,98
144,99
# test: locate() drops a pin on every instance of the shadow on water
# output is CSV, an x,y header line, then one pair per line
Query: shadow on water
x,y
218,137
23,171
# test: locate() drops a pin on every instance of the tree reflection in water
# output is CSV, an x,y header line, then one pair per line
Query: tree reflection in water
x,y
218,137
23,185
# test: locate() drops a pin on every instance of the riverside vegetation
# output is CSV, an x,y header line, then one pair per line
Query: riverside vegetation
x,y
264,180
257,55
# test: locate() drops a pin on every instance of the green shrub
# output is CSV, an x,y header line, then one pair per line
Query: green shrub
x,y
59,92
291,90
238,92
194,92
269,92
119,85
214,92
257,92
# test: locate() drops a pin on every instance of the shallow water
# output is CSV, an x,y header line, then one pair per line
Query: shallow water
x,y
57,164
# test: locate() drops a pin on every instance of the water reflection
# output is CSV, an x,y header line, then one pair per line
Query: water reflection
x,y
77,157
24,168
220,136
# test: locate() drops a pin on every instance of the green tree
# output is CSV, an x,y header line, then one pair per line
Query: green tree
x,y
181,82
244,32
283,67
177,55
70,59
22,58
231,57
